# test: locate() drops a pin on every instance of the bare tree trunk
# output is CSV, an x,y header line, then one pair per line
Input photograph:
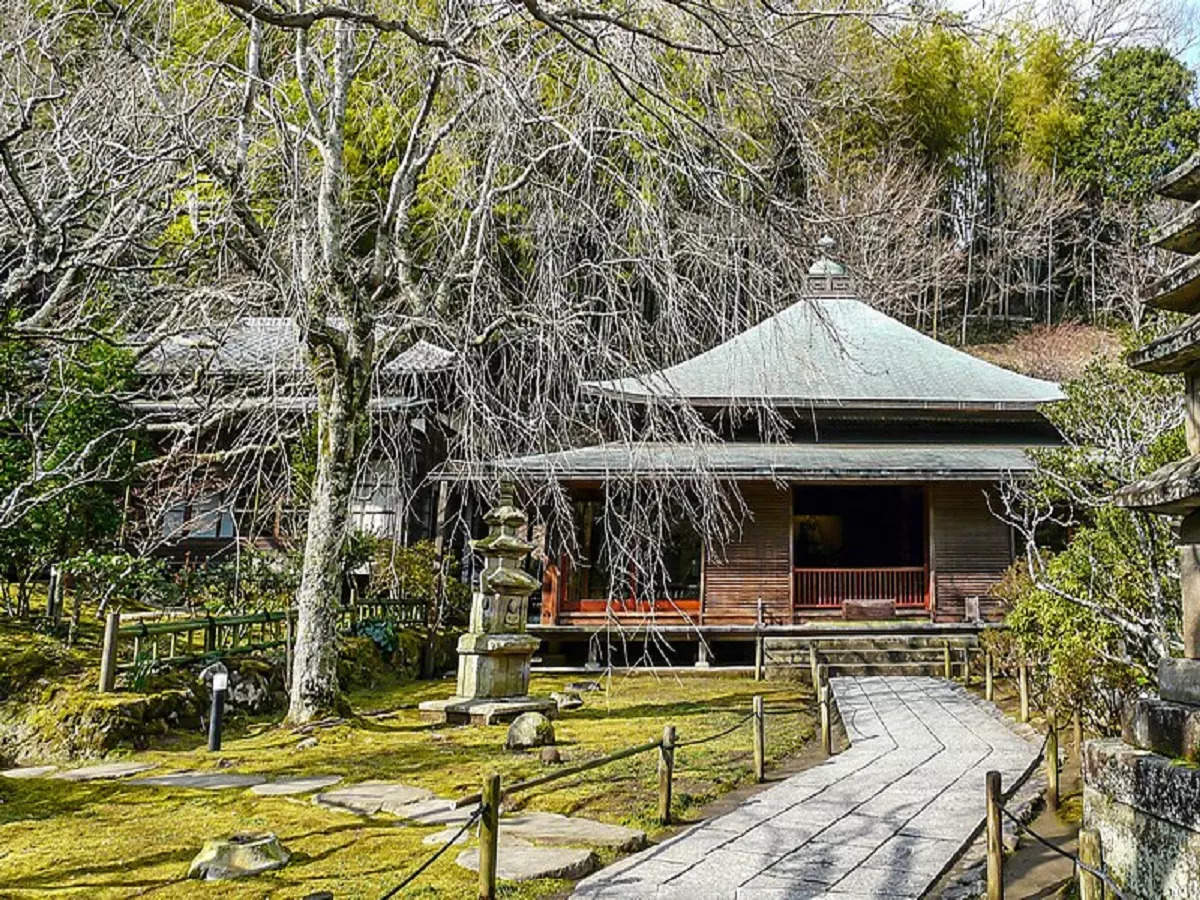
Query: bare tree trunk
x,y
342,404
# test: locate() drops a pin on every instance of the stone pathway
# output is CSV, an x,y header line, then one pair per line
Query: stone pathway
x,y
883,819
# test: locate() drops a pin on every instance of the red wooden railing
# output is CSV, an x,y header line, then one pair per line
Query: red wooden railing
x,y
829,588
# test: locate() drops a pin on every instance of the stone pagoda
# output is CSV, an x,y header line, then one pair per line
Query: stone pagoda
x,y
1146,806
494,654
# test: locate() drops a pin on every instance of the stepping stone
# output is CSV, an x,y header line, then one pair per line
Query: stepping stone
x,y
554,830
29,772
299,784
428,812
517,863
107,770
367,798
204,781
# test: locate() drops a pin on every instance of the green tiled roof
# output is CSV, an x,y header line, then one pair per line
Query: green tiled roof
x,y
837,351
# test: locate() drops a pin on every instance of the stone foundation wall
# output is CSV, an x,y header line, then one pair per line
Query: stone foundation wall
x,y
1147,810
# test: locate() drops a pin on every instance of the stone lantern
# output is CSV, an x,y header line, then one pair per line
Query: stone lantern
x,y
494,654
1145,806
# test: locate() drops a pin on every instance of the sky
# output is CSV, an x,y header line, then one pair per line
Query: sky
x,y
1175,23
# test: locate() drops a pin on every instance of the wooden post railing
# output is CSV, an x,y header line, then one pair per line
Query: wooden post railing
x,y
995,842
1052,759
108,653
489,836
666,770
989,692
760,741
1090,886
1023,684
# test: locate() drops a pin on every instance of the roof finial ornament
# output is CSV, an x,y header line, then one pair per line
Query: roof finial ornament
x,y
825,264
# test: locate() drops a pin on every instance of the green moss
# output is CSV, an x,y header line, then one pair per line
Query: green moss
x,y
111,840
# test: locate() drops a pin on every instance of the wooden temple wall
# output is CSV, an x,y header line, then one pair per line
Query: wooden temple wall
x,y
971,549
756,564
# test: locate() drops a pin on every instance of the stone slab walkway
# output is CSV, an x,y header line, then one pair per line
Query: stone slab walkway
x,y
883,819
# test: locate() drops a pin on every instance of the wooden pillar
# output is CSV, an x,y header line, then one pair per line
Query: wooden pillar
x,y
989,693
1077,737
995,842
666,769
826,725
946,671
812,665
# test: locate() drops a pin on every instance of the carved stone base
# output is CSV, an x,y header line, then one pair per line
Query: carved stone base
x,y
1179,680
1147,810
484,711
1170,729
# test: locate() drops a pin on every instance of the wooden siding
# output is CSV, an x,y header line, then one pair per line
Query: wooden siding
x,y
971,549
756,564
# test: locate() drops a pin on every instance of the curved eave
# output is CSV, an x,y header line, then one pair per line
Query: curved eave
x,y
1182,182
1172,353
949,405
1181,234
760,462
1173,489
1178,290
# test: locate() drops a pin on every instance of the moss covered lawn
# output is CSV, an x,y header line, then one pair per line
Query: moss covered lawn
x,y
111,839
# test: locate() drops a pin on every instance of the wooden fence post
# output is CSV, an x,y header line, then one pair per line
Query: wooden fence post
x,y
826,735
758,643
1052,759
1023,684
108,654
760,741
1077,737
289,645
666,768
989,692
1090,887
489,834
995,844
812,666
946,660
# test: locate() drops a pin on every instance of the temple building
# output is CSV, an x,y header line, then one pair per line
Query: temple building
x,y
877,504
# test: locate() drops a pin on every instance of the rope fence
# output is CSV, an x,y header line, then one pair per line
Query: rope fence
x,y
489,799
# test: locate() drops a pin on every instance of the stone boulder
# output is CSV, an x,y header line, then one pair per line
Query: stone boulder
x,y
237,856
529,730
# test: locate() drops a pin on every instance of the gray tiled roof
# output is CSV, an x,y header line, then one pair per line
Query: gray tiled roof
x,y
886,462
270,345
837,351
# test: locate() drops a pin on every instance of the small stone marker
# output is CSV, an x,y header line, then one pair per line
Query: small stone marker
x,y
307,744
29,772
517,863
551,756
368,797
299,784
529,730
567,700
201,781
238,856
107,770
